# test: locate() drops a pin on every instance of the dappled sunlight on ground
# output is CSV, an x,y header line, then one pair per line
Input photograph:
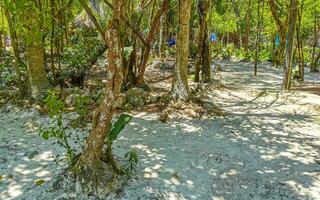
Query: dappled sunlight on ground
x,y
25,157
266,147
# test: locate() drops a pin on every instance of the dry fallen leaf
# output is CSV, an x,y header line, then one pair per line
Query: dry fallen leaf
x,y
39,182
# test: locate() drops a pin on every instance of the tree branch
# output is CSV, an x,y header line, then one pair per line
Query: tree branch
x,y
134,30
93,19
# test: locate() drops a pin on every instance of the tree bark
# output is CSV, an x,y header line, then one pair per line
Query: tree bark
x,y
163,33
15,46
281,27
203,56
93,19
313,66
35,51
290,46
91,157
180,88
237,12
300,46
147,49
247,32
258,37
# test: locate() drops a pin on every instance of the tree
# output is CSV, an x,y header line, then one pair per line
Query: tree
x,y
281,28
93,18
203,57
258,37
293,11
150,37
246,36
300,57
15,46
90,164
314,58
30,16
180,88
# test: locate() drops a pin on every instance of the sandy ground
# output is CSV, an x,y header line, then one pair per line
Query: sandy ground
x,y
267,147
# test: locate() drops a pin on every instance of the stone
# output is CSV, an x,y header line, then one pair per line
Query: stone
x,y
3,160
137,97
31,154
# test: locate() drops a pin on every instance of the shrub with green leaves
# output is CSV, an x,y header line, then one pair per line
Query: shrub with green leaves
x,y
114,131
78,57
57,129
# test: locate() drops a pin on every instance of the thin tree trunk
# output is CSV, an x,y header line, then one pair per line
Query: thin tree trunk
x,y
163,33
93,19
300,46
281,27
247,32
206,60
91,157
258,37
180,88
52,54
313,65
201,37
289,51
237,12
150,38
15,46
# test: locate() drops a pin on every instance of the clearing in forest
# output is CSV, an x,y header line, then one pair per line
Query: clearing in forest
x,y
266,146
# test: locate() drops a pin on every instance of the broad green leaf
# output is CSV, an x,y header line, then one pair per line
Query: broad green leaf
x,y
118,126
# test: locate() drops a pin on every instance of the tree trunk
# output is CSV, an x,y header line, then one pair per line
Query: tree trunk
x,y
247,32
15,46
180,88
91,157
313,66
281,27
300,46
147,49
202,27
35,52
258,37
36,68
203,57
290,46
206,59
163,33
93,18
237,12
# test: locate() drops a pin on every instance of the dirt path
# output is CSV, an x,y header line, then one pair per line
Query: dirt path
x,y
267,147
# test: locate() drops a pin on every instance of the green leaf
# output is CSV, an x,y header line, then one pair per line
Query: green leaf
x,y
127,52
45,135
118,126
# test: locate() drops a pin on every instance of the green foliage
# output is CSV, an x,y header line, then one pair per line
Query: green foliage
x,y
193,49
127,51
228,51
131,156
77,57
7,75
132,161
118,126
57,130
55,105
81,103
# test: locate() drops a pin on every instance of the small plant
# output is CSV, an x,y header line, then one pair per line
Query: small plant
x,y
57,130
131,156
132,161
81,103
